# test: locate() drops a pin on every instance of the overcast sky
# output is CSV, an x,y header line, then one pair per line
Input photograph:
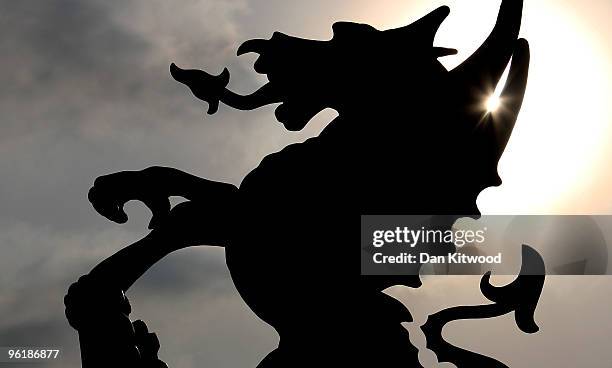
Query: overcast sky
x,y
86,91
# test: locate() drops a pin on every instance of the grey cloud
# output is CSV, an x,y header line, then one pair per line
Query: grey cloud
x,y
86,91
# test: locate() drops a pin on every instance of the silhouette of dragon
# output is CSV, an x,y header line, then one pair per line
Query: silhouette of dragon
x,y
410,138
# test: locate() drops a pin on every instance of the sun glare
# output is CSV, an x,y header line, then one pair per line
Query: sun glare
x,y
492,103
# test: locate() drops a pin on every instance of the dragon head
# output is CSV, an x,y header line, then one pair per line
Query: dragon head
x,y
392,87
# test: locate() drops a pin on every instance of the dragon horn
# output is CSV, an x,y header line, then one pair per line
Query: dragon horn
x,y
486,66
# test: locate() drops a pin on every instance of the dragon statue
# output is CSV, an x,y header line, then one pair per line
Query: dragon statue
x,y
411,137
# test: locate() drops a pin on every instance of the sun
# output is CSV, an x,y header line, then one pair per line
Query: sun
x,y
492,103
